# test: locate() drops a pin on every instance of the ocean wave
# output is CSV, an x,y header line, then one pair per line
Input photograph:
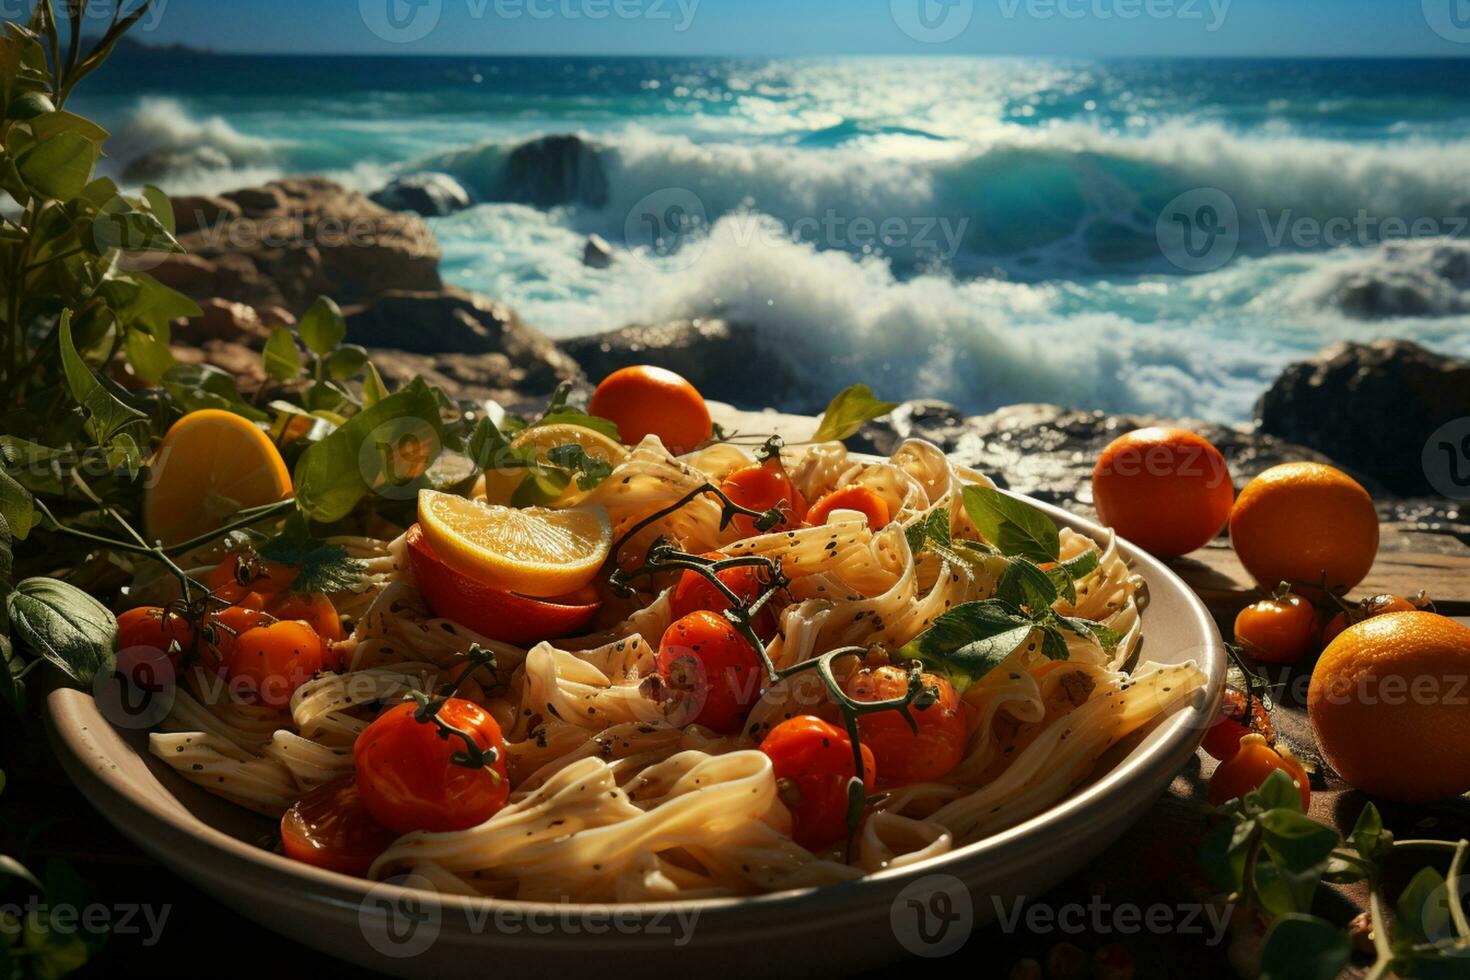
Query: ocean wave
x,y
161,139
1032,202
1397,279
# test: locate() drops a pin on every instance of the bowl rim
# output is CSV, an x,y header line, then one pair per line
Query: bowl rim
x,y
71,713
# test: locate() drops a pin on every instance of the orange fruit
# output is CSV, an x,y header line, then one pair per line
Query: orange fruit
x,y
1301,522
501,483
1166,490
211,465
533,551
645,400
1391,707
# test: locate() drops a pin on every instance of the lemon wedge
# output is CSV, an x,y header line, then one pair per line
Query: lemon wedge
x,y
534,551
500,484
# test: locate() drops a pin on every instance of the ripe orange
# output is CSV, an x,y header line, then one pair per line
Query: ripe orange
x,y
645,400
211,465
1390,704
1301,522
1166,490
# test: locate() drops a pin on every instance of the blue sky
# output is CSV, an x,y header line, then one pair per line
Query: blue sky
x,y
795,27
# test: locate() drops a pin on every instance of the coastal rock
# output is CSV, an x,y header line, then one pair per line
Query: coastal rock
x,y
223,320
432,195
1399,279
1048,452
1372,407
290,241
597,253
725,361
554,170
475,344
194,212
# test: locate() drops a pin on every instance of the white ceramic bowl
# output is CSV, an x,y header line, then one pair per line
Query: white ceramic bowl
x,y
926,908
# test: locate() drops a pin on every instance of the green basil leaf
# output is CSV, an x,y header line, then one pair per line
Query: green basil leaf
x,y
589,470
850,411
1304,947
1064,575
1023,584
144,301
373,389
1054,644
17,506
161,207
322,327
1294,840
1276,792
197,386
1415,915
57,122
59,167
281,358
1013,526
131,231
107,415
150,357
1105,636
970,640
541,486
1367,833
932,527
346,361
1223,853
62,623
336,473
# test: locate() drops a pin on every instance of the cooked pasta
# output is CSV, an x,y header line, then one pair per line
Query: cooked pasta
x,y
612,797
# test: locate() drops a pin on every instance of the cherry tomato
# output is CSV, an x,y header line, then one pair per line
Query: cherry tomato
x,y
864,499
245,571
408,780
905,757
713,671
315,609
224,627
762,487
1249,768
151,627
1277,630
813,765
271,662
1222,740
695,592
492,612
1375,605
330,828
645,400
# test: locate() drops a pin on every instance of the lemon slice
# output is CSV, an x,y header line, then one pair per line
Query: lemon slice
x,y
534,551
500,484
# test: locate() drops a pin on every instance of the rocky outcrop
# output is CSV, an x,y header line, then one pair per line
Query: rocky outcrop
x,y
432,195
290,241
597,253
1372,407
554,170
1048,452
469,344
1412,278
725,361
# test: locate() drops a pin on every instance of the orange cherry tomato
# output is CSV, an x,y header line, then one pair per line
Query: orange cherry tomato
x,y
1249,767
643,400
1277,630
223,628
492,612
245,571
152,628
813,764
268,663
315,609
330,828
409,780
695,592
864,499
762,487
1222,740
904,756
1376,605
713,672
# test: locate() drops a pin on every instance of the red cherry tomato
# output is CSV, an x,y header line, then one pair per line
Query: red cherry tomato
x,y
1222,740
813,764
713,671
407,776
268,663
695,592
245,571
864,499
330,828
491,612
762,487
152,628
904,757
1250,766
1277,630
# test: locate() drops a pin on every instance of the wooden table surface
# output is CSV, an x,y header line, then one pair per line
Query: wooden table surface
x,y
1151,866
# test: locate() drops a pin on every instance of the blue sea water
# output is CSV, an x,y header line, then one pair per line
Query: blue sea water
x,y
1153,236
